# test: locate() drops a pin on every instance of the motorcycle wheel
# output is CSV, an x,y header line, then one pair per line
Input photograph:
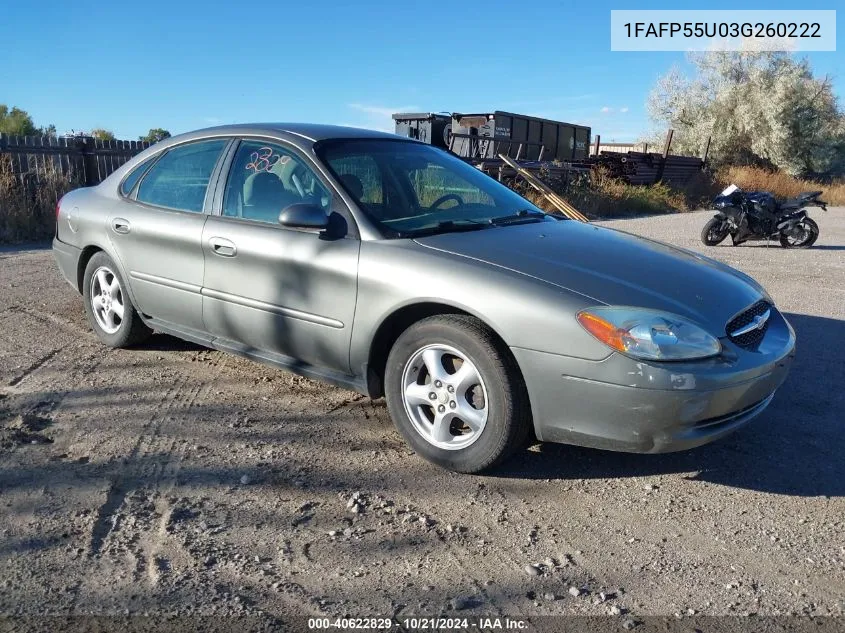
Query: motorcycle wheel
x,y
809,237
714,232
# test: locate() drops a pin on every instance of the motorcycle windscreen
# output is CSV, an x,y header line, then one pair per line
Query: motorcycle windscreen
x,y
729,190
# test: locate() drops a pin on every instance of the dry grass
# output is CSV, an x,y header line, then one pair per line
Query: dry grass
x,y
28,202
780,184
598,195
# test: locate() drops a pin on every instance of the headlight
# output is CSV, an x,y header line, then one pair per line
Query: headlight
x,y
648,334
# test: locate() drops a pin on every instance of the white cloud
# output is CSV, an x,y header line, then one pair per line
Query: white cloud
x,y
623,110
379,117
606,110
382,110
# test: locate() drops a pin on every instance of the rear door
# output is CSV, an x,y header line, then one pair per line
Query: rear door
x,y
156,231
269,288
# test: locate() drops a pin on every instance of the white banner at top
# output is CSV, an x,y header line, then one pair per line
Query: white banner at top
x,y
706,30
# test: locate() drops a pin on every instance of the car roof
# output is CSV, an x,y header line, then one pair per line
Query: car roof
x,y
311,131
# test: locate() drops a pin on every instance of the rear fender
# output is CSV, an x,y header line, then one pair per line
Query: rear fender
x,y
791,220
106,248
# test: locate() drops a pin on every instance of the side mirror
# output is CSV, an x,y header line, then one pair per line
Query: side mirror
x,y
304,216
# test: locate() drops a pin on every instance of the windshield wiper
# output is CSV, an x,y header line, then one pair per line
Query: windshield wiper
x,y
521,216
447,226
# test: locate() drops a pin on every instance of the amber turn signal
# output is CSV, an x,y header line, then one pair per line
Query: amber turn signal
x,y
603,330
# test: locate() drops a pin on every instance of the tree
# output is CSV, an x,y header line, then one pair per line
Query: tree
x,y
155,135
102,134
759,107
16,122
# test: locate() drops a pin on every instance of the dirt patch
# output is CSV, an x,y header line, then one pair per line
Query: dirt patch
x,y
24,429
182,481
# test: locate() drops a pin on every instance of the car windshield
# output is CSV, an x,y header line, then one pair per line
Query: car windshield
x,y
411,189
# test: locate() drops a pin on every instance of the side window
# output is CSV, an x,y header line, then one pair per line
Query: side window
x,y
179,179
370,180
361,176
265,178
134,176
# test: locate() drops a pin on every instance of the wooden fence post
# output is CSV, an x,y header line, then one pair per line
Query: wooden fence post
x,y
645,148
598,145
666,147
706,153
668,144
89,160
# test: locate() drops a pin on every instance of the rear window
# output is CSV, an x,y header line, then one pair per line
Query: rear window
x,y
180,178
134,176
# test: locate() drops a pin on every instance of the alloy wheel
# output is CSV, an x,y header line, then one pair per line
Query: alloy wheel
x,y
107,300
445,397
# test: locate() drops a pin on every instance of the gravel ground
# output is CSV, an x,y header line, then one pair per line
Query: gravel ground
x,y
172,479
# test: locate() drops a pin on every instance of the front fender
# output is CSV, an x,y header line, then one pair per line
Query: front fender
x,y
523,311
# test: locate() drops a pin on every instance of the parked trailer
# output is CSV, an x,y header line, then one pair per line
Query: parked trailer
x,y
486,135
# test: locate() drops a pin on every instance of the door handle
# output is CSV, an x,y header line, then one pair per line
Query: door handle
x,y
119,225
223,247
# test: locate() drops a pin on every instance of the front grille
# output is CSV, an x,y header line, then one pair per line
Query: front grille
x,y
752,338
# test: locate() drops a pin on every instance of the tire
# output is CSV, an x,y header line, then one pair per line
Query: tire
x,y
105,298
813,230
483,421
710,235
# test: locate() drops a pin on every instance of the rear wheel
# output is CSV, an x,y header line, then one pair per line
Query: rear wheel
x,y
714,232
455,394
110,312
803,235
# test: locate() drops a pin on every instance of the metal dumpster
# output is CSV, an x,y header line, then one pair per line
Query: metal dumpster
x,y
518,136
424,126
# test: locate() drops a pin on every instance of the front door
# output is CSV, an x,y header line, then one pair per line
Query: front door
x,y
157,233
274,289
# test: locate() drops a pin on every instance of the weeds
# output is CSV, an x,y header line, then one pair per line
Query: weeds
x,y
599,195
28,201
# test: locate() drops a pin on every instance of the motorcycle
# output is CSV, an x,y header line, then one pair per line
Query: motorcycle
x,y
758,215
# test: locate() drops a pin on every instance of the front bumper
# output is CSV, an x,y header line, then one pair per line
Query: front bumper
x,y
627,405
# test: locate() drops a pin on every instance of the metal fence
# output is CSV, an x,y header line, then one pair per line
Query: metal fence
x,y
84,159
619,147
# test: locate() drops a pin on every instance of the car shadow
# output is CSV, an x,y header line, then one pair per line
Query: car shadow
x,y
795,447
778,247
160,342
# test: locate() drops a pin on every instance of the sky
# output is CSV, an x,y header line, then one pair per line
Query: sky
x,y
188,64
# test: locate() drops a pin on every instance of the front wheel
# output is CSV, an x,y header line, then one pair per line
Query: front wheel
x,y
803,235
714,232
456,394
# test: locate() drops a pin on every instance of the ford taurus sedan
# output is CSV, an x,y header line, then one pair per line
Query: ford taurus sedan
x,y
395,269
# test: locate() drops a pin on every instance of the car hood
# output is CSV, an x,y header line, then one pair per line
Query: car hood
x,y
611,267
